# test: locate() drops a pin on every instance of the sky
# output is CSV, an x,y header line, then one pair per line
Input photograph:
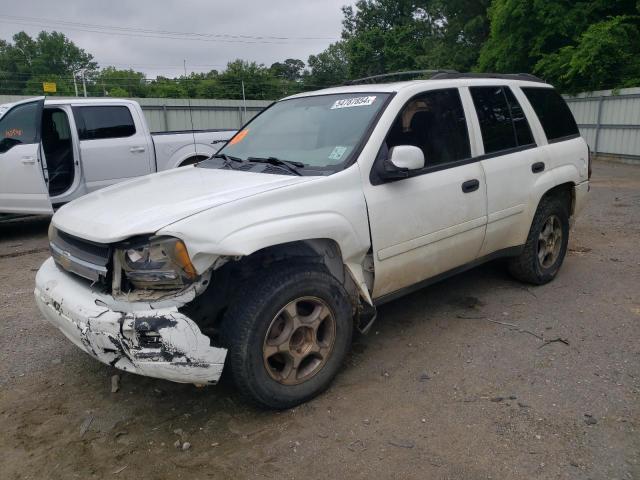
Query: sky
x,y
156,36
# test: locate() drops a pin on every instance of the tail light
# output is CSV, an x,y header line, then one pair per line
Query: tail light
x,y
589,165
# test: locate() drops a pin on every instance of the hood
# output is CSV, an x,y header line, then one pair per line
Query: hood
x,y
149,203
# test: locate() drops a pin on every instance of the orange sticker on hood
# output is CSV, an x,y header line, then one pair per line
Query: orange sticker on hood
x,y
239,137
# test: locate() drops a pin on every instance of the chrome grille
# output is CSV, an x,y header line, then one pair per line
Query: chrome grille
x,y
87,259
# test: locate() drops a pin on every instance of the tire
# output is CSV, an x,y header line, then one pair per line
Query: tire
x,y
264,317
533,265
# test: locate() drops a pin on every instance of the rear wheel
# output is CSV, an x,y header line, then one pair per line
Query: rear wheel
x,y
287,335
546,244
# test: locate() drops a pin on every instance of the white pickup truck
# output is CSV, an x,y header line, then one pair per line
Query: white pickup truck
x,y
266,257
54,151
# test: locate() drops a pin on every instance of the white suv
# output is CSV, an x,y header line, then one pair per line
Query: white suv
x,y
270,254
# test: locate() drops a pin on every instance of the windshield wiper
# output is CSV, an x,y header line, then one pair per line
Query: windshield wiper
x,y
287,164
228,159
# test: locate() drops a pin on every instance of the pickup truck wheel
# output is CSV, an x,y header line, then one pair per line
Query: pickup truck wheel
x,y
287,335
546,245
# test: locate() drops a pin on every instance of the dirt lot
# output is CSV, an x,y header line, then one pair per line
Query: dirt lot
x,y
442,388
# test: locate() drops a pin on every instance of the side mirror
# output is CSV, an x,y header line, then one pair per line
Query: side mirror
x,y
402,159
407,157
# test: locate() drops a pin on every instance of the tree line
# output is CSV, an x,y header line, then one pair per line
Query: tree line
x,y
575,45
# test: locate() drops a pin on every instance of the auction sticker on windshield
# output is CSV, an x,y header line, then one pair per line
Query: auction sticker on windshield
x,y
353,102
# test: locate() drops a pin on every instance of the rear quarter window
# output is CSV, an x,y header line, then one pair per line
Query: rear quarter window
x,y
102,122
552,111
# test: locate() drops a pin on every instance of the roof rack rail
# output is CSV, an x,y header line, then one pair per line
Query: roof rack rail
x,y
503,76
387,76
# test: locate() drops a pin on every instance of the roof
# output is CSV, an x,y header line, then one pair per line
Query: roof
x,y
80,101
395,87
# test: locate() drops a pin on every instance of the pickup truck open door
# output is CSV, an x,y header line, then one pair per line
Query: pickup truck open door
x,y
22,182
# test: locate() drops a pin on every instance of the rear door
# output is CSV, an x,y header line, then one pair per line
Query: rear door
x,y
22,184
114,144
511,162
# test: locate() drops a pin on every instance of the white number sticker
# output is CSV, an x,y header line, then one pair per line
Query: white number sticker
x,y
353,102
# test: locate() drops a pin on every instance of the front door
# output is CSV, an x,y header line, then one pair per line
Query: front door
x,y
433,221
22,184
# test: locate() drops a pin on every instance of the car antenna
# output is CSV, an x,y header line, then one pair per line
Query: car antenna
x,y
193,132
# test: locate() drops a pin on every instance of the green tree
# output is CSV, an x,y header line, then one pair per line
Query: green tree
x,y
575,45
291,69
383,36
51,56
118,83
258,82
330,67
607,55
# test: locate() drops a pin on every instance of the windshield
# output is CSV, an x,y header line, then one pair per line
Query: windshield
x,y
321,132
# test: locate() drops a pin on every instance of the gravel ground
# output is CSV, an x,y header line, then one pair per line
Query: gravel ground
x,y
475,377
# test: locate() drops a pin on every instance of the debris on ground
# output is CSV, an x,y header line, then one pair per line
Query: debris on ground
x,y
115,472
555,340
402,443
85,425
357,446
589,419
115,383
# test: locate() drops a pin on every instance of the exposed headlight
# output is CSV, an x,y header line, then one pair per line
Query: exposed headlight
x,y
160,263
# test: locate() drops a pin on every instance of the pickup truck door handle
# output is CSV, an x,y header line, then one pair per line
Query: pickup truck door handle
x,y
136,149
470,186
28,160
537,167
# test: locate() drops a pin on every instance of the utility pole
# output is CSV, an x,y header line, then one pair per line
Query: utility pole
x,y
75,85
84,85
244,103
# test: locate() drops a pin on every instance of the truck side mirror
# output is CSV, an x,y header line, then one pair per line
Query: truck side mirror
x,y
401,160
407,157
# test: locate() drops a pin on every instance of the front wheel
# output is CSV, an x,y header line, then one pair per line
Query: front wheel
x,y
546,244
287,335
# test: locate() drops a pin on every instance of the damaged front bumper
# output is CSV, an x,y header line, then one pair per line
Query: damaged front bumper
x,y
155,340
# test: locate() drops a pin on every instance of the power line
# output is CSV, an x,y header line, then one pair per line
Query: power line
x,y
149,33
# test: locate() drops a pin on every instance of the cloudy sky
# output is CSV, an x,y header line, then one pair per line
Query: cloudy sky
x,y
155,36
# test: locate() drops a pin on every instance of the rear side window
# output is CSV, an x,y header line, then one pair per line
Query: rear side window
x,y
96,123
433,121
553,112
502,122
520,123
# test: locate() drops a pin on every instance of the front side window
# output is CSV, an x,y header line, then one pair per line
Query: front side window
x,y
553,112
321,132
19,126
502,122
434,122
101,122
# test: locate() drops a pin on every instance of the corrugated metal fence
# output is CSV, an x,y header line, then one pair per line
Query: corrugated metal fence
x,y
609,121
166,114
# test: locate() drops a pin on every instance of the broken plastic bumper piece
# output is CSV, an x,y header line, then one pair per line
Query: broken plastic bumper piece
x,y
157,342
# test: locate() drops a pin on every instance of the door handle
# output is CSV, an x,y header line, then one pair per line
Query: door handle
x,y
537,167
136,149
28,160
470,186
